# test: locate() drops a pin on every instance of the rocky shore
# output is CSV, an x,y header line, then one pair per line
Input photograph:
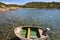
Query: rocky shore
x,y
6,9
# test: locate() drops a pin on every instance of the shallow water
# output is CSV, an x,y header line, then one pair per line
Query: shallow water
x,y
43,17
50,16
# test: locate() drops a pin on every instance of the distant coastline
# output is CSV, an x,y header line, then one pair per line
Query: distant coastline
x,y
36,5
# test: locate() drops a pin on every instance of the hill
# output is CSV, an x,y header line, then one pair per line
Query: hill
x,y
8,7
42,5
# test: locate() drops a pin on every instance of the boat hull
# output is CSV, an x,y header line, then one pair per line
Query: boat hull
x,y
19,30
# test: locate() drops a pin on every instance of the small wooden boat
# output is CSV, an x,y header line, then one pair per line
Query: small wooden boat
x,y
30,33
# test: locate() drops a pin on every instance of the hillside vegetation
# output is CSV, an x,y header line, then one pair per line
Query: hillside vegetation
x,y
33,5
42,5
8,5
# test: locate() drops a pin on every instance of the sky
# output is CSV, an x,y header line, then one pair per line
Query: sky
x,y
21,2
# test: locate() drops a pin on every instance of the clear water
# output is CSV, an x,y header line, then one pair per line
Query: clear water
x,y
43,17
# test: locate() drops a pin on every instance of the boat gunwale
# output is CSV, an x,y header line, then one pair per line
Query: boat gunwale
x,y
31,27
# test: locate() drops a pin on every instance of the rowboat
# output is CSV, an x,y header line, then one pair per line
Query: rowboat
x,y
30,33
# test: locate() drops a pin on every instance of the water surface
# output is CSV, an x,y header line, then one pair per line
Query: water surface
x,y
42,17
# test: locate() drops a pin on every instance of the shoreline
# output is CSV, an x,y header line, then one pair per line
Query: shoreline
x,y
6,9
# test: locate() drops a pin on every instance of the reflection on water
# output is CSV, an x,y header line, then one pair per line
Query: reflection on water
x,y
42,17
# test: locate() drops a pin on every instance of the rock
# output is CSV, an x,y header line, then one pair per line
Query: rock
x,y
6,9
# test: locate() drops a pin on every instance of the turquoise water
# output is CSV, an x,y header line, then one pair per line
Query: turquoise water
x,y
42,17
